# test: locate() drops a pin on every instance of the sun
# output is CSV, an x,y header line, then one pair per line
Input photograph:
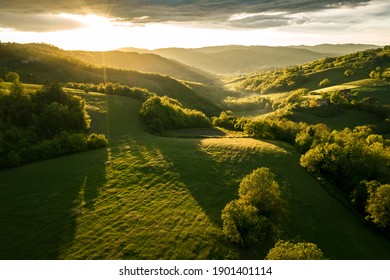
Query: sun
x,y
97,33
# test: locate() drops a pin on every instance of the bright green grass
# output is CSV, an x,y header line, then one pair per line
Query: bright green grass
x,y
149,197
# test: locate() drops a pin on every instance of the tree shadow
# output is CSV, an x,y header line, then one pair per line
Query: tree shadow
x,y
40,202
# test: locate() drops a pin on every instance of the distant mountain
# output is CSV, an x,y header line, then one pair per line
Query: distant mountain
x,y
338,49
243,59
144,62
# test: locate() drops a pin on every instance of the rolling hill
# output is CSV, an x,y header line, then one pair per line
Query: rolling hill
x,y
145,63
242,59
40,63
150,197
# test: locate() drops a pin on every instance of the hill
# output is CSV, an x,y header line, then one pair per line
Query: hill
x,y
353,87
337,49
236,59
40,63
144,63
149,197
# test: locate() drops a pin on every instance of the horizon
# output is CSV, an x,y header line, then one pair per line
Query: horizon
x,y
189,48
74,25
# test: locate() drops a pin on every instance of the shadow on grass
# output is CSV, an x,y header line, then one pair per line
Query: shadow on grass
x,y
39,203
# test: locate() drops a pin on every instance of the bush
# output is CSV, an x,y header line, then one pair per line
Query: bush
x,y
96,141
77,143
324,83
164,113
12,77
284,250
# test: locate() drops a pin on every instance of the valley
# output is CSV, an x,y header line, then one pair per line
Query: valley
x,y
159,194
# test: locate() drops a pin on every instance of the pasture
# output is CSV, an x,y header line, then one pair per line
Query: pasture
x,y
150,197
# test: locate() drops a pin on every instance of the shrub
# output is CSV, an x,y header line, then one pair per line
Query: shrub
x,y
285,250
96,141
324,83
77,142
163,113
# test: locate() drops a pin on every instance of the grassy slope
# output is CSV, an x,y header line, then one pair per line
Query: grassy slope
x,y
147,197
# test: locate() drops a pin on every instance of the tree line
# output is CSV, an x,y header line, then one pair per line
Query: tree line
x,y
42,124
163,113
356,161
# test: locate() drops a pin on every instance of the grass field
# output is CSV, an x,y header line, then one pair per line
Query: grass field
x,y
149,197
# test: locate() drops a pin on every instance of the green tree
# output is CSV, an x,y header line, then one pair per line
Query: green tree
x,y
12,77
242,223
285,250
259,211
324,83
348,73
378,206
376,74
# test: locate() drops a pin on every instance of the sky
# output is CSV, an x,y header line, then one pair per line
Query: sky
x,y
152,24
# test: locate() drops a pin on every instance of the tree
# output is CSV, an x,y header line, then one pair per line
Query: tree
x,y
376,74
378,206
242,224
261,190
12,77
285,250
324,83
258,212
348,73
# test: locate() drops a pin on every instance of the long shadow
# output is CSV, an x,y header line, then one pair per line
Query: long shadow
x,y
40,202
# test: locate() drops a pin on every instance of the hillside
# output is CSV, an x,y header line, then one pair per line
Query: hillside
x,y
145,63
39,63
359,65
242,59
144,198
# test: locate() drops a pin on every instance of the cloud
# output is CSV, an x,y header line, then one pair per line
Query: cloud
x,y
228,14
37,22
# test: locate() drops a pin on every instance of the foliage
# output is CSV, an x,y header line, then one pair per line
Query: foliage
x,y
42,124
164,113
378,205
248,103
348,73
274,128
229,121
285,250
96,141
349,157
258,212
12,77
242,223
319,73
273,81
114,89
324,83
376,74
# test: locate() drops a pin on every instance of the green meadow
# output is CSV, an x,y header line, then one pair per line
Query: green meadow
x,y
151,197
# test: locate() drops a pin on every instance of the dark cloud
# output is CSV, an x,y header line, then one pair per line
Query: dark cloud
x,y
264,13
